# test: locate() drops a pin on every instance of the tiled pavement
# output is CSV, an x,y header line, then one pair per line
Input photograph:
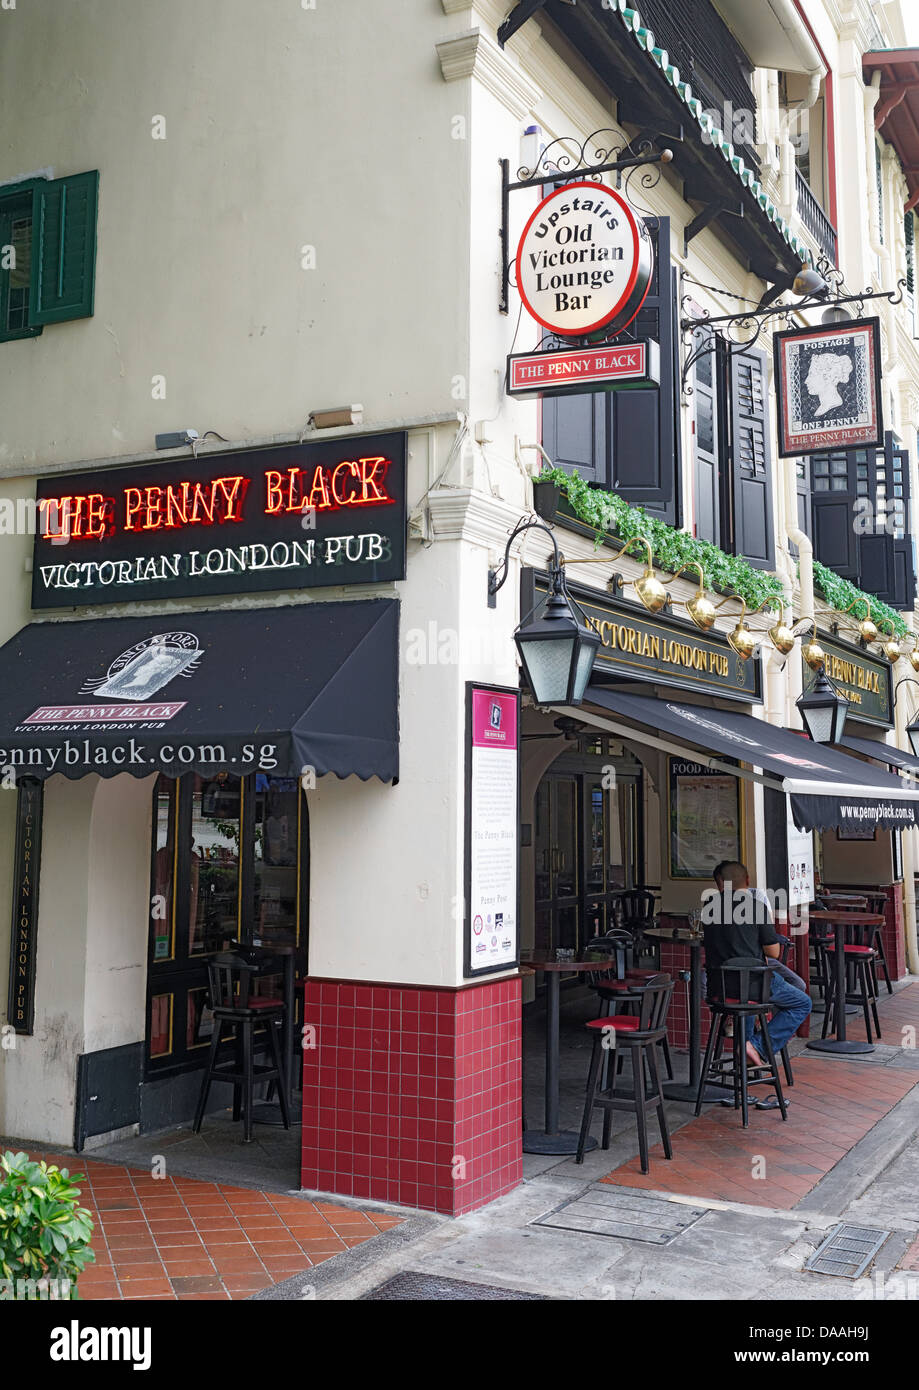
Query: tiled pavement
x,y
833,1104
180,1238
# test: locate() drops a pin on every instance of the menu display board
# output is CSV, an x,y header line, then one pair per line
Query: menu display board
x,y
800,850
492,820
705,819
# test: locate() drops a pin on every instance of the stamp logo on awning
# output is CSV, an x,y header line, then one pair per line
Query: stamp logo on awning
x,y
135,675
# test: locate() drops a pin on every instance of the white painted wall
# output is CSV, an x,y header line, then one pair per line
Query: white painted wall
x,y
285,127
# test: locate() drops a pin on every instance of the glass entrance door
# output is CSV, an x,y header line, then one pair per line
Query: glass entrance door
x,y
230,860
588,848
557,843
611,849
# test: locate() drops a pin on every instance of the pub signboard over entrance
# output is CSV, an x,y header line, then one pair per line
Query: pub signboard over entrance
x,y
659,649
864,680
300,516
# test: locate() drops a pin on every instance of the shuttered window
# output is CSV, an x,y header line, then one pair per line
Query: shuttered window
x,y
732,452
707,441
48,241
15,260
860,502
628,441
751,459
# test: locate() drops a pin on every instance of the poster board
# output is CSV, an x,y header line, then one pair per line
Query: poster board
x,y
706,823
800,862
492,870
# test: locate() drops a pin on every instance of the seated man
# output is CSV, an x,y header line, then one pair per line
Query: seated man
x,y
737,922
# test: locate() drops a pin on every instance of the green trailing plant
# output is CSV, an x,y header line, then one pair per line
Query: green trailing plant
x,y
670,548
727,574
839,593
44,1233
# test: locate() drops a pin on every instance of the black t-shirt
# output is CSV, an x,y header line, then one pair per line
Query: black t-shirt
x,y
738,927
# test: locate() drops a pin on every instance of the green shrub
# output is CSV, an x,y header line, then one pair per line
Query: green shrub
x,y
727,574
44,1234
839,593
606,512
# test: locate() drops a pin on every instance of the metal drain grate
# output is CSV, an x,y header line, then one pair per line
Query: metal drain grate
x,y
607,1212
847,1251
414,1286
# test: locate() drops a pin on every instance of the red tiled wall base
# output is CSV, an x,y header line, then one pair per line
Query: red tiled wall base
x,y
412,1095
894,932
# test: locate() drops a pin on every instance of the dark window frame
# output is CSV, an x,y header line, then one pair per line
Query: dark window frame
x,y
14,207
180,974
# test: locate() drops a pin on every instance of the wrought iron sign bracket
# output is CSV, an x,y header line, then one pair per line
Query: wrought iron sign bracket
x,y
703,332
708,214
565,160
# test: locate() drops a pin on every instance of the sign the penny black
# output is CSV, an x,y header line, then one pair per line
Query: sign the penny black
x,y
864,680
21,1002
301,516
617,366
828,387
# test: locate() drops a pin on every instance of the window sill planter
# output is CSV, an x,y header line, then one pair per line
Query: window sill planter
x,y
546,496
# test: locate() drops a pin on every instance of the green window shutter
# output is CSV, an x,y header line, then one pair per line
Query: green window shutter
x,y
63,248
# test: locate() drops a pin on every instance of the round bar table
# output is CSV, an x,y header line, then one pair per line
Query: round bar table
x,y
551,1140
839,921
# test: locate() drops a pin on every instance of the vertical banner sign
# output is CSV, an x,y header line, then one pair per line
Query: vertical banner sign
x,y
492,820
800,845
21,1006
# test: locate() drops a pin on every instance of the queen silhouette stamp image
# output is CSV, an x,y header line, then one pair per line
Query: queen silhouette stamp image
x,y
828,387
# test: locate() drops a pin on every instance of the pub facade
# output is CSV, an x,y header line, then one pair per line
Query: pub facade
x,y
259,684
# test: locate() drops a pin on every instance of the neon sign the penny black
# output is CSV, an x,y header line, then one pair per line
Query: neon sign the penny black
x,y
297,517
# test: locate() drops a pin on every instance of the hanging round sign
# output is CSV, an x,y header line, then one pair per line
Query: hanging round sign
x,y
584,261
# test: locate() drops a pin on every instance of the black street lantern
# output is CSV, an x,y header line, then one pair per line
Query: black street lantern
x,y
557,648
824,711
912,731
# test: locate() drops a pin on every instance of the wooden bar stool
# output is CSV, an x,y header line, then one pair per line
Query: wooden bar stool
x,y
252,1020
642,1035
860,964
739,990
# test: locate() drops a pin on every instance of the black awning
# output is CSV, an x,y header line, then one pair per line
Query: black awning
x,y
828,789
312,686
884,752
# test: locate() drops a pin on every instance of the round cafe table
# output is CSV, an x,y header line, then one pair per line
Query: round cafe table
x,y
551,1140
839,920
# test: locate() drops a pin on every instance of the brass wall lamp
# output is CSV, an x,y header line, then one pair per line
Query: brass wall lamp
x,y
742,639
892,649
745,641
867,628
912,655
647,586
812,651
783,638
700,609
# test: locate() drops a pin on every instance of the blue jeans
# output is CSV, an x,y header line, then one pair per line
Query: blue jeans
x,y
790,1008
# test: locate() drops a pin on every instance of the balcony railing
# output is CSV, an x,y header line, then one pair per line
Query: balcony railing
x,y
813,217
711,60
